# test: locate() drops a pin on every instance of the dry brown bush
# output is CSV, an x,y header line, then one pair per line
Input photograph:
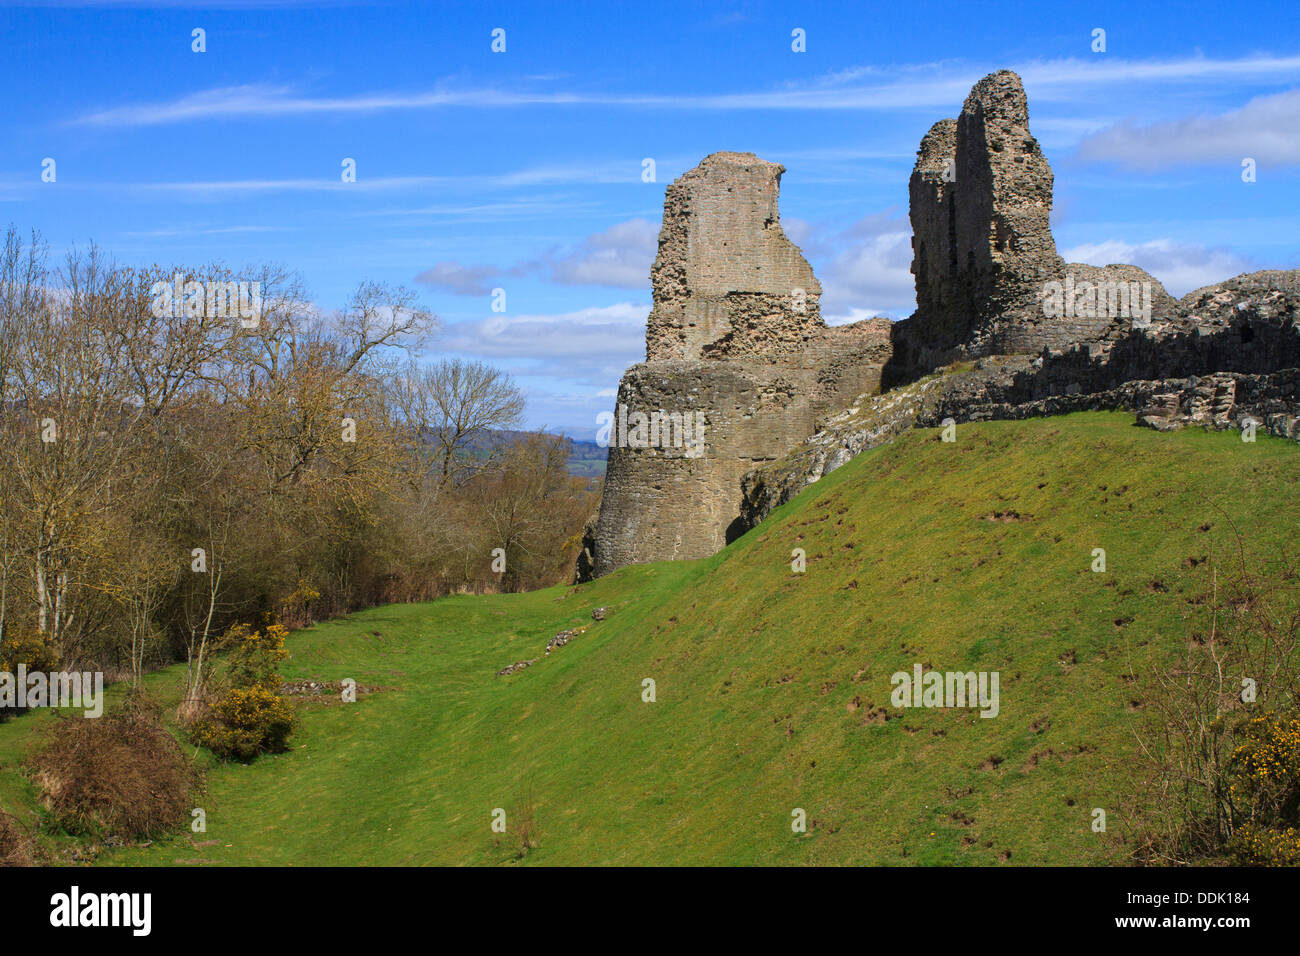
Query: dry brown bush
x,y
122,774
15,843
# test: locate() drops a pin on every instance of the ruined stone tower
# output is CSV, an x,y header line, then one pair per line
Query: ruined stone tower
x,y
1003,206
983,252
726,279
934,237
735,341
981,199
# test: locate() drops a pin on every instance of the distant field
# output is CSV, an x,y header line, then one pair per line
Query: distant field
x,y
772,687
586,458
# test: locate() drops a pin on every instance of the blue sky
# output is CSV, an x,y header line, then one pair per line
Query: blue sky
x,y
522,170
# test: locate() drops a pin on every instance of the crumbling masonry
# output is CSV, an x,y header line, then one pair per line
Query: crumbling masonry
x,y
736,333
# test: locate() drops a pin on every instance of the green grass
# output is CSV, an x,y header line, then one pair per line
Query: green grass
x,y
767,680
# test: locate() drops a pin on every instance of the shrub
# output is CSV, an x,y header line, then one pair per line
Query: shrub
x,y
1264,791
15,845
1221,732
297,606
122,774
28,647
250,717
244,722
1259,846
255,656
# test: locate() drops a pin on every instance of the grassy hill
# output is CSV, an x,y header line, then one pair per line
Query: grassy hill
x,y
773,687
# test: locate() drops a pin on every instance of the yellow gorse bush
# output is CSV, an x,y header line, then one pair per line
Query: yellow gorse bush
x,y
1265,790
251,717
1262,846
28,647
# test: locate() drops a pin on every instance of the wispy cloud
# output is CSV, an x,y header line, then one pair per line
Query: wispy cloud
x,y
527,208
274,101
617,257
15,192
585,174
1180,266
590,342
1266,129
940,85
362,184
183,231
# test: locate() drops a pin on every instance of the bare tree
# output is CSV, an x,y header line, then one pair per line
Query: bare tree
x,y
450,404
22,291
75,427
379,317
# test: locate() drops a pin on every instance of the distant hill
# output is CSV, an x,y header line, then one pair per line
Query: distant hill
x,y
586,458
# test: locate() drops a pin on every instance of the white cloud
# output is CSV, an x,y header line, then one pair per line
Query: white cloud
x,y
1180,267
526,208
620,256
458,279
612,172
865,270
573,344
569,363
1267,129
943,85
186,232
362,184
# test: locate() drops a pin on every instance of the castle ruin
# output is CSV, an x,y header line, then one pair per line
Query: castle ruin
x,y
736,338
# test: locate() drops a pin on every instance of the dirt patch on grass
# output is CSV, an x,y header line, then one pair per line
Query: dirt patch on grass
x,y
1003,517
876,716
1039,756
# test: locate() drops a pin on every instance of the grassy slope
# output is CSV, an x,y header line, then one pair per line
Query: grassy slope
x,y
767,680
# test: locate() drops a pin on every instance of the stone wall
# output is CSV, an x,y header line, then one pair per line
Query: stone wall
x,y
661,503
726,278
735,336
1222,353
